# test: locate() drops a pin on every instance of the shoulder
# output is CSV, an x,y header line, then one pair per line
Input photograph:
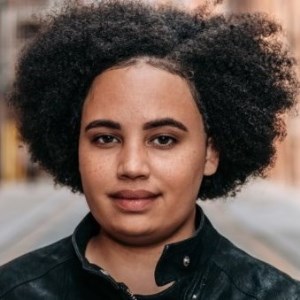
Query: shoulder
x,y
253,276
35,266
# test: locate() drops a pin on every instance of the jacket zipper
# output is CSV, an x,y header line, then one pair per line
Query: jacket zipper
x,y
121,286
127,291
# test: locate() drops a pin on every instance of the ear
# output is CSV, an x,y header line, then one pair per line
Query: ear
x,y
211,159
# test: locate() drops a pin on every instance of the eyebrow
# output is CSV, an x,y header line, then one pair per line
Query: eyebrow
x,y
164,122
103,123
149,125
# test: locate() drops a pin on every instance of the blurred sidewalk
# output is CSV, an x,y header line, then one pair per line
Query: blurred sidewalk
x,y
34,215
264,220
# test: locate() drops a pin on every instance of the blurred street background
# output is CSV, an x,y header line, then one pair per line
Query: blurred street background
x,y
264,219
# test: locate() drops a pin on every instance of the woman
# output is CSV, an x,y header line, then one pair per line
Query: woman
x,y
144,109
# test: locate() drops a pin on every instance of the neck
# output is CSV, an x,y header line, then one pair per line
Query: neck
x,y
134,266
133,263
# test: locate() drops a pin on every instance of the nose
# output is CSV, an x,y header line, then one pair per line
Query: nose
x,y
133,162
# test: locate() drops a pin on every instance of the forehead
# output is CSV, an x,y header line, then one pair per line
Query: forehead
x,y
140,90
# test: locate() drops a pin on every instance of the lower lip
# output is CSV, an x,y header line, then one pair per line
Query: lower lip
x,y
134,205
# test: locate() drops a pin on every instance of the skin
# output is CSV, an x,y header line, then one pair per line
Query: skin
x,y
135,152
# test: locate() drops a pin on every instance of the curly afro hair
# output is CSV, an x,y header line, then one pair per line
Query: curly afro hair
x,y
239,70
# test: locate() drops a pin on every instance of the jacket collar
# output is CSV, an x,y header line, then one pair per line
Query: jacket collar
x,y
177,260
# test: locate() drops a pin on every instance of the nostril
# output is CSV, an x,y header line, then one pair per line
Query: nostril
x,y
132,174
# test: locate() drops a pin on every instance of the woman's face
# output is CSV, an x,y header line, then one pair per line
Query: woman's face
x,y
143,152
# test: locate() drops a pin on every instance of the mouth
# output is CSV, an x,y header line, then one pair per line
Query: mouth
x,y
133,194
133,200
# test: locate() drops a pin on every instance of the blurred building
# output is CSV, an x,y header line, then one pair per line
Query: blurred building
x,y
287,168
17,26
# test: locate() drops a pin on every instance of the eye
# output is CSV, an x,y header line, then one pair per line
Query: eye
x,y
105,139
164,141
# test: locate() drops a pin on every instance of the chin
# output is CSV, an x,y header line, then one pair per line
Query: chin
x,y
135,235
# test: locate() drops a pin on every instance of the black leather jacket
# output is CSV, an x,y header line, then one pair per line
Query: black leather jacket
x,y
206,266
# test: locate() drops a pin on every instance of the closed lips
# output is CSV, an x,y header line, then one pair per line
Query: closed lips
x,y
133,194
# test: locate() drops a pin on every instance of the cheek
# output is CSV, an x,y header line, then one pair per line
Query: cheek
x,y
92,169
183,171
85,161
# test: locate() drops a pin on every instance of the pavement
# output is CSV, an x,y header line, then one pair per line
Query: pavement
x,y
34,215
263,220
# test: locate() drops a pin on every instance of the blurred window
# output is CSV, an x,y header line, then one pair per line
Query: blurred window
x,y
26,30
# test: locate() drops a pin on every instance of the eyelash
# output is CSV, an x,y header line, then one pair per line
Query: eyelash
x,y
96,140
171,141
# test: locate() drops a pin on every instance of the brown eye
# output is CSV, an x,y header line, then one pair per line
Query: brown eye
x,y
164,141
106,139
